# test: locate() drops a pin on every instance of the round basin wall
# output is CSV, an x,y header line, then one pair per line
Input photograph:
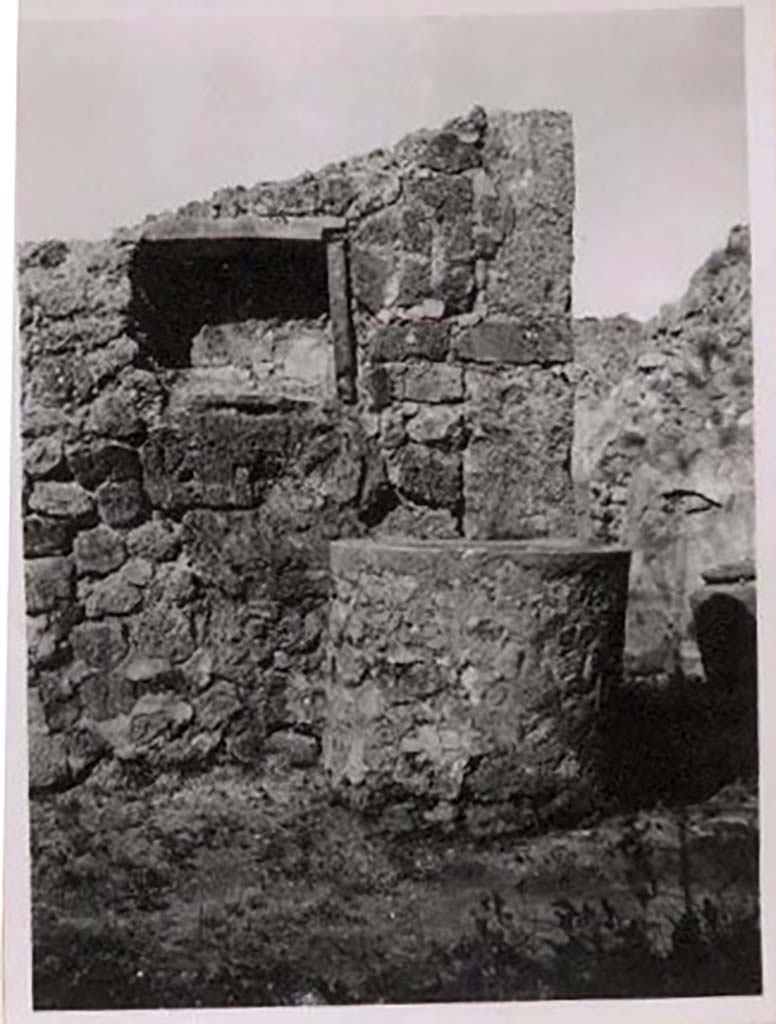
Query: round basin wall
x,y
467,679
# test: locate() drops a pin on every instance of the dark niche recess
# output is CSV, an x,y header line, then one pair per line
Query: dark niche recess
x,y
181,284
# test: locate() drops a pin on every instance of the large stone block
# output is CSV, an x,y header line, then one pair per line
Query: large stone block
x,y
456,661
413,382
515,341
529,158
517,464
396,343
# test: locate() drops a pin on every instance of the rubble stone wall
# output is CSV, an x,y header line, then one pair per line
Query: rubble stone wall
x,y
182,483
663,449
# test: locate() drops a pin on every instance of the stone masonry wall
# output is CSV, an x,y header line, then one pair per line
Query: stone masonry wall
x,y
663,451
179,500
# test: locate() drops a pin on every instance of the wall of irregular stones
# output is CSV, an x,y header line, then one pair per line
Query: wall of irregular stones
x,y
663,451
181,485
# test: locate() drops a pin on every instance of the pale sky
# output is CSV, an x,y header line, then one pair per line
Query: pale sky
x,y
123,116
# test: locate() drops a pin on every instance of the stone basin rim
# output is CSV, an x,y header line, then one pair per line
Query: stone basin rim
x,y
547,546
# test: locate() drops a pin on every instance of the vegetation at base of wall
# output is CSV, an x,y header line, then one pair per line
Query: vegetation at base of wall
x,y
233,890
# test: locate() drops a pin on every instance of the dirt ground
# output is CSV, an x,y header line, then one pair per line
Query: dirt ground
x,y
230,889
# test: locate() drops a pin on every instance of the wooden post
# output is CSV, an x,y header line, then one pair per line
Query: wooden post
x,y
339,309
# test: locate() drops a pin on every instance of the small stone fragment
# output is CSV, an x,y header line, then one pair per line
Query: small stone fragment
x,y
429,477
431,382
42,456
48,768
99,551
437,424
157,713
158,540
121,503
217,707
61,500
93,464
116,415
446,152
114,595
46,536
142,669
100,645
299,749
48,583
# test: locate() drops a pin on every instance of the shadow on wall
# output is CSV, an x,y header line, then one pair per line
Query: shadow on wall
x,y
684,739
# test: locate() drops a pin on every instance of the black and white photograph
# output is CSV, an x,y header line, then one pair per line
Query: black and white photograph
x,y
385,424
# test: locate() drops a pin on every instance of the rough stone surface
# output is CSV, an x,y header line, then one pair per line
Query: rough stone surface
x,y
158,540
115,595
43,456
663,452
116,414
529,218
300,750
396,343
122,503
516,477
437,425
44,536
100,645
61,500
451,662
99,551
93,463
511,341
430,383
48,582
428,477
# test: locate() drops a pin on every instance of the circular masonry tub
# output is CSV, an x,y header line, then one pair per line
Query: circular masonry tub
x,y
467,679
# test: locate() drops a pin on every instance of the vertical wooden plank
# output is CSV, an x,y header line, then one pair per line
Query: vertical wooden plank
x,y
339,307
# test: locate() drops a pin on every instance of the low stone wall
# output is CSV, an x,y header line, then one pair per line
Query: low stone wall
x,y
469,679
